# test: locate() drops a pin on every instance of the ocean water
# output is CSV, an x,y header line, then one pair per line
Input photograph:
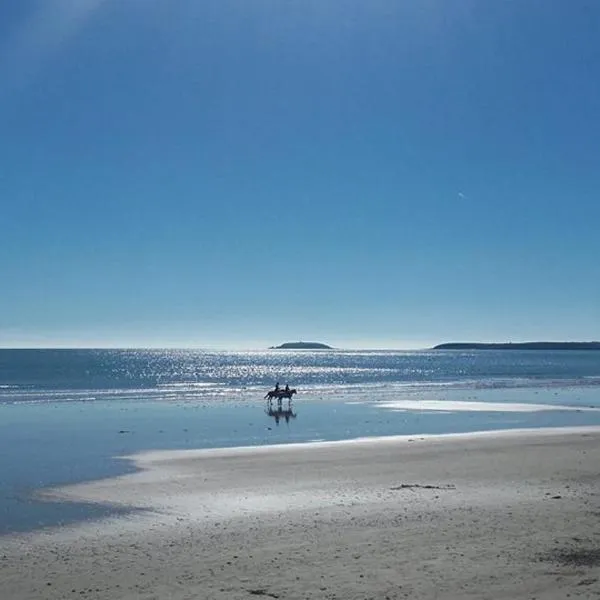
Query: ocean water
x,y
67,375
69,415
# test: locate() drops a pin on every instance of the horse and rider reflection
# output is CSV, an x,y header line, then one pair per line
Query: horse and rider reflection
x,y
280,412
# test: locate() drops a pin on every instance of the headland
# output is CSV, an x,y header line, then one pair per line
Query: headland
x,y
519,346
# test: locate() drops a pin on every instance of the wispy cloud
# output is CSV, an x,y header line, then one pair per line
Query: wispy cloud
x,y
41,36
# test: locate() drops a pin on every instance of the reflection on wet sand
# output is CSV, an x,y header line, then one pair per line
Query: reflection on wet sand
x,y
279,412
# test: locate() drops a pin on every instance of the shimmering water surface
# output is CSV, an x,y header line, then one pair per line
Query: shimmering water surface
x,y
50,375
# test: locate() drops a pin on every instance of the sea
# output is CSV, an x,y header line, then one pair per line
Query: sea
x,y
68,416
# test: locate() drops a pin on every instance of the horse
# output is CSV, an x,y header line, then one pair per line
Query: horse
x,y
280,394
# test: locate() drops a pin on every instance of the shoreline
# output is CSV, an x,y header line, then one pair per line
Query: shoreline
x,y
490,515
140,458
146,489
47,437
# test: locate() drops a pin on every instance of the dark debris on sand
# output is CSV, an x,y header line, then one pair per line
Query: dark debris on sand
x,y
575,557
261,592
411,486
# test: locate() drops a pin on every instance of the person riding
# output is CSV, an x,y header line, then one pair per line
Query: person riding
x,y
277,386
287,387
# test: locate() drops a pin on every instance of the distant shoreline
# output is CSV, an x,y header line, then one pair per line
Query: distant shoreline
x,y
519,346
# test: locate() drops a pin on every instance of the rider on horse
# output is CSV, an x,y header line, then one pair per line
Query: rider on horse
x,y
281,393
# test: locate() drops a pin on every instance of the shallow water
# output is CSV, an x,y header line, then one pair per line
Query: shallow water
x,y
46,444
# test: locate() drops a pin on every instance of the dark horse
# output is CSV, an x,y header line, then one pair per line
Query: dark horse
x,y
280,394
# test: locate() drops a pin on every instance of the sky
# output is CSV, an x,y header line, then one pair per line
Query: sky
x,y
222,173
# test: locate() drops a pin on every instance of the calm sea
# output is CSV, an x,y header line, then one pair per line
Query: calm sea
x,y
168,375
68,415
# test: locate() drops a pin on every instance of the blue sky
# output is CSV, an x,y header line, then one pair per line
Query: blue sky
x,y
237,174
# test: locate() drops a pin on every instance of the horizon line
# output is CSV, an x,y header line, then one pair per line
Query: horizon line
x,y
256,348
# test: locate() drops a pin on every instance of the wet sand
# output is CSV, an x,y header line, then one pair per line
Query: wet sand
x,y
502,515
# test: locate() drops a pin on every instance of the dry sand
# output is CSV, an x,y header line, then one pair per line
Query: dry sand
x,y
509,515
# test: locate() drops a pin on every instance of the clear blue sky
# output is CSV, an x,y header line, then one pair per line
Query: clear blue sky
x,y
230,173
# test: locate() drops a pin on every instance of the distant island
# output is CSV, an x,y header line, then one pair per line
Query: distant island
x,y
302,346
520,346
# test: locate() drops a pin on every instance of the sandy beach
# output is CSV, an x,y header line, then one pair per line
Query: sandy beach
x,y
503,515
